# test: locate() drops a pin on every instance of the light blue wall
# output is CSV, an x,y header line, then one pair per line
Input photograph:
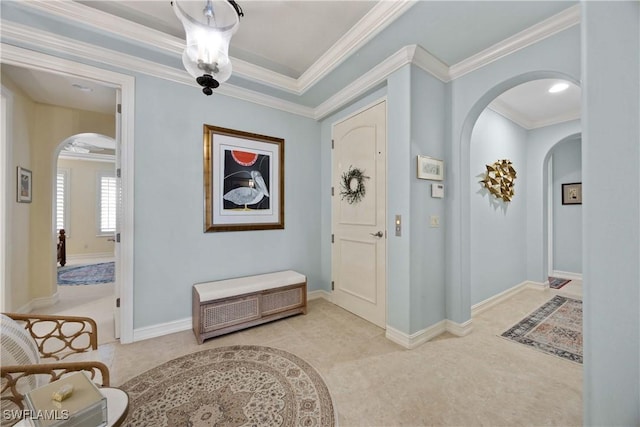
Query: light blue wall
x,y
540,142
428,127
556,56
172,252
611,212
498,245
567,219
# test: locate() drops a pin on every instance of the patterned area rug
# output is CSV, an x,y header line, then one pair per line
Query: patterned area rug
x,y
230,386
557,282
90,274
555,328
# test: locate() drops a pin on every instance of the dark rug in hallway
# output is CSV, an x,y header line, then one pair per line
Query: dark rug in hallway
x,y
557,282
554,328
240,385
90,274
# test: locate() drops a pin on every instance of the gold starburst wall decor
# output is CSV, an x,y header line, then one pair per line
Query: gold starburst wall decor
x,y
500,179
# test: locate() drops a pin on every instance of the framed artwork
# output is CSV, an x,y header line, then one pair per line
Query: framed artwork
x,y
243,181
572,193
430,168
25,185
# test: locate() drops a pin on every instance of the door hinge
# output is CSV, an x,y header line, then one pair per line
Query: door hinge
x,y
119,173
117,302
333,285
332,191
117,237
119,108
332,238
332,144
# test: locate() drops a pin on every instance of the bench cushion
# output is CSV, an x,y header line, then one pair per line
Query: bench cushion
x,y
209,291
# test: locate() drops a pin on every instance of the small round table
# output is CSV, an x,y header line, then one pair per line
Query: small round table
x,y
117,408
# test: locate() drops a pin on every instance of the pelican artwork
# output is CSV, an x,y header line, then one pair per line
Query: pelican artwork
x,y
254,193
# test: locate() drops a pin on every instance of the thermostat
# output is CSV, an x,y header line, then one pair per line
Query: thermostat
x,y
437,191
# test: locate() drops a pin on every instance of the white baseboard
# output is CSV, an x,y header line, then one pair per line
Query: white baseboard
x,y
38,303
167,328
566,275
502,296
459,329
417,338
161,329
319,294
90,256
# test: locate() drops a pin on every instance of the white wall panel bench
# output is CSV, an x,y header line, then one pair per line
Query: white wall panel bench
x,y
224,306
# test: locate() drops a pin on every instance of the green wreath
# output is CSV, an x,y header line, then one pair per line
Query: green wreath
x,y
352,184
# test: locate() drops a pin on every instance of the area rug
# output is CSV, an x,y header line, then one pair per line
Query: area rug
x,y
557,282
230,386
554,328
90,274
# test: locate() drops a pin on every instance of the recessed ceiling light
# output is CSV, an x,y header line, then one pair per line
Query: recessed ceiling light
x,y
82,88
558,87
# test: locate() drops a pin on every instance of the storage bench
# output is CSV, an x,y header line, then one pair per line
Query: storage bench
x,y
225,306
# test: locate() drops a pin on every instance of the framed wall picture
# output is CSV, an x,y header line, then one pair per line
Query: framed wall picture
x,y
243,180
25,185
430,168
572,193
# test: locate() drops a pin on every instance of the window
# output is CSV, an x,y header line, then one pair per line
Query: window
x,y
62,201
106,203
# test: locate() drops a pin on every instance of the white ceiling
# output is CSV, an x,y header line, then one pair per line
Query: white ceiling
x,y
291,37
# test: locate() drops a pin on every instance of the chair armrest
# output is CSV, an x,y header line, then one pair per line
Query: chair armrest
x,y
12,374
58,336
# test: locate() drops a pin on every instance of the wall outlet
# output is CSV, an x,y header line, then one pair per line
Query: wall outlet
x,y
434,221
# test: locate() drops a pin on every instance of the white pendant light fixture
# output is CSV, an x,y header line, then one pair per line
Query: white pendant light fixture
x,y
208,26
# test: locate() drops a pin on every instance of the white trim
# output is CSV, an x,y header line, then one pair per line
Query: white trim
x,y
377,19
506,111
540,31
459,329
373,77
29,59
90,157
483,306
161,329
566,275
320,294
432,65
38,303
35,37
414,340
6,168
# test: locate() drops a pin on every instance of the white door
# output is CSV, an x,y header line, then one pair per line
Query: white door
x,y
116,247
359,217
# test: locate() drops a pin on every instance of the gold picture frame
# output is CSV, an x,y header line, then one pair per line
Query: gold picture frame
x,y
243,180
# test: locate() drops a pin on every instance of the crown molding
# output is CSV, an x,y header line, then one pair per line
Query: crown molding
x,y
540,31
376,20
93,157
504,110
43,39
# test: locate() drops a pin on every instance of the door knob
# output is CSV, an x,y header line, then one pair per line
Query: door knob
x,y
378,234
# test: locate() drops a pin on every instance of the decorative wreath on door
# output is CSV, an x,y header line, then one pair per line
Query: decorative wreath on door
x,y
352,185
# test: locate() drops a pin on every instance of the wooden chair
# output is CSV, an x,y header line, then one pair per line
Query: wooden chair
x,y
58,339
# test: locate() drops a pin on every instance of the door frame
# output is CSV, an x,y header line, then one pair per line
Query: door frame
x,y
24,58
386,190
5,154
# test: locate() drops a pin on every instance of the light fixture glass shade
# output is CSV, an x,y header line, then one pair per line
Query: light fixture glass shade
x,y
209,26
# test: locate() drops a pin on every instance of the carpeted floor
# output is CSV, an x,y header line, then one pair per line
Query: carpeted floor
x,y
231,386
554,328
89,274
